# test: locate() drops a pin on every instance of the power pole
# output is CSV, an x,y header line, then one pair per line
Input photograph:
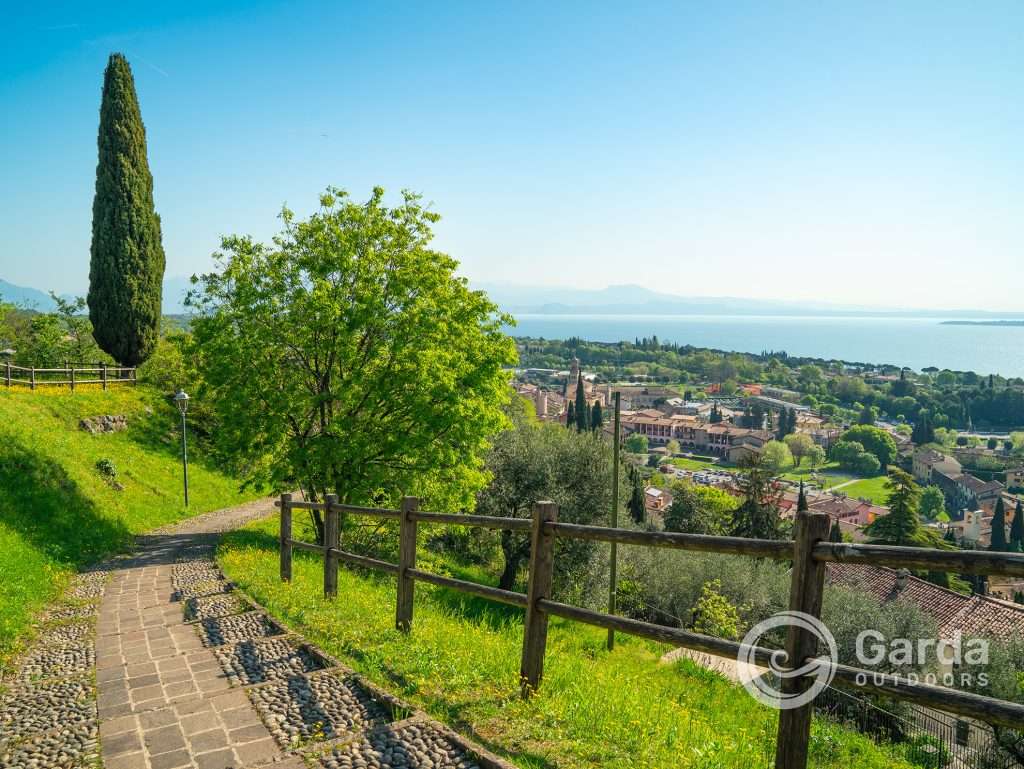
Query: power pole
x,y
613,576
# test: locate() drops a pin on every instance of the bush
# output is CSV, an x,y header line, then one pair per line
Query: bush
x,y
106,468
927,751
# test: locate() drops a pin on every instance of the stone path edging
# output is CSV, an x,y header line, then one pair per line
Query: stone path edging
x,y
156,661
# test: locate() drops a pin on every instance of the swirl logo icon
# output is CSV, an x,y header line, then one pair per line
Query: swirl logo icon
x,y
767,688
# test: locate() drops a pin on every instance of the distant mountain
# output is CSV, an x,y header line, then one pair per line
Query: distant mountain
x,y
175,289
30,298
637,300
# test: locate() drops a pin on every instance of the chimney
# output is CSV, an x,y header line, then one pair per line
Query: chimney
x,y
901,580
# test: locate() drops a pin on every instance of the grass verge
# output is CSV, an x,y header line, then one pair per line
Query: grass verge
x,y
59,511
461,661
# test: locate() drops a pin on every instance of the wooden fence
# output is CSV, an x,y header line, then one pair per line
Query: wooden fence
x,y
809,553
71,375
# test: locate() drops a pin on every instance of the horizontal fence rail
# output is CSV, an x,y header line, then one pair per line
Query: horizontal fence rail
x,y
71,375
809,552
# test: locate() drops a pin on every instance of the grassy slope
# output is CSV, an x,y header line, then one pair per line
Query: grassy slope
x,y
461,665
868,488
56,511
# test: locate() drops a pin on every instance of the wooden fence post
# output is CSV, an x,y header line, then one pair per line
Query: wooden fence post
x,y
103,376
805,593
135,377
406,561
535,628
33,377
332,541
72,379
7,378
286,537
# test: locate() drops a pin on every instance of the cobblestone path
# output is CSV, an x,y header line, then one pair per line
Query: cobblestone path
x,y
155,661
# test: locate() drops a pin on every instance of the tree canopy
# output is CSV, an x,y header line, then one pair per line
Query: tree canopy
x,y
348,356
126,269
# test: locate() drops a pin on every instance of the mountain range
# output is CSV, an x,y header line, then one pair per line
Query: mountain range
x,y
560,300
636,300
34,299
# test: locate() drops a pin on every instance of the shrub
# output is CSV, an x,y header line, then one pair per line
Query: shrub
x,y
105,467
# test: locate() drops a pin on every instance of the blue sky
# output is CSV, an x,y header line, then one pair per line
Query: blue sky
x,y
849,152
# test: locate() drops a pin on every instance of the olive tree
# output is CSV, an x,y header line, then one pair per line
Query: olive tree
x,y
348,357
533,462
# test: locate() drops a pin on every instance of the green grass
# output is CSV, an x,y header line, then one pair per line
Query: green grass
x,y
58,513
868,488
829,475
461,662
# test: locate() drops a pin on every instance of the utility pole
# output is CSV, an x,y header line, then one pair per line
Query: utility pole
x,y
613,575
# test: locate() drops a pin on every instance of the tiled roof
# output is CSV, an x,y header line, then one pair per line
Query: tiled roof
x,y
973,615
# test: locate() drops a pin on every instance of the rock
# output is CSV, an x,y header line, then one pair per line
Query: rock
x,y
105,423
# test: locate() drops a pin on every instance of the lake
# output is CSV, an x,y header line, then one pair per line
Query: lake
x,y
913,342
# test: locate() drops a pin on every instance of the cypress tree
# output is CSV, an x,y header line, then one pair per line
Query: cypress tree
x,y
570,415
126,269
596,417
582,410
801,500
1017,529
998,542
835,534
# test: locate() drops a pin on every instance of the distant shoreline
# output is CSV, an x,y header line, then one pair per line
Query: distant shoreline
x,y
982,322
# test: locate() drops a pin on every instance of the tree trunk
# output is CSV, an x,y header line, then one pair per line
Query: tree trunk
x,y
514,554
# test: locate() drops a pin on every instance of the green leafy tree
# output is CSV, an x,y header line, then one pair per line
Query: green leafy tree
x,y
932,502
637,444
868,415
867,464
777,457
714,615
757,517
699,509
126,270
875,441
816,456
799,445
350,357
998,541
536,461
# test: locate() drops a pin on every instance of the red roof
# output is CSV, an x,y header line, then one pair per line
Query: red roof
x,y
972,615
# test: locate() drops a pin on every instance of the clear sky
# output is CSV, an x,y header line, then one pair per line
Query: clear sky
x,y
851,152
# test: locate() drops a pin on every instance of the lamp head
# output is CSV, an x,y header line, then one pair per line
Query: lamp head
x,y
181,401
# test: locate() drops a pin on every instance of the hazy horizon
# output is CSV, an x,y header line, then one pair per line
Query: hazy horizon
x,y
864,155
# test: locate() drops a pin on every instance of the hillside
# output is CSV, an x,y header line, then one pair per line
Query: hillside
x,y
58,512
461,663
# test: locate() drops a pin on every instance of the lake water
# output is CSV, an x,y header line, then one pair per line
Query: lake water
x,y
913,342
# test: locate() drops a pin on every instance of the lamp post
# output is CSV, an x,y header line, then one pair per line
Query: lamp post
x,y
181,401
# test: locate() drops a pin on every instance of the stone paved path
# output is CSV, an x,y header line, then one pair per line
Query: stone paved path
x,y
155,661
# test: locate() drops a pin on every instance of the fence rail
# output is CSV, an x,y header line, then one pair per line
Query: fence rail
x,y
71,375
809,553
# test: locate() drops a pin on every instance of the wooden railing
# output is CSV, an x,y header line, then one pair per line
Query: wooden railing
x,y
809,553
69,376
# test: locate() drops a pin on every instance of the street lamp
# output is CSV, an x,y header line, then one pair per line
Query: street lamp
x,y
181,401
